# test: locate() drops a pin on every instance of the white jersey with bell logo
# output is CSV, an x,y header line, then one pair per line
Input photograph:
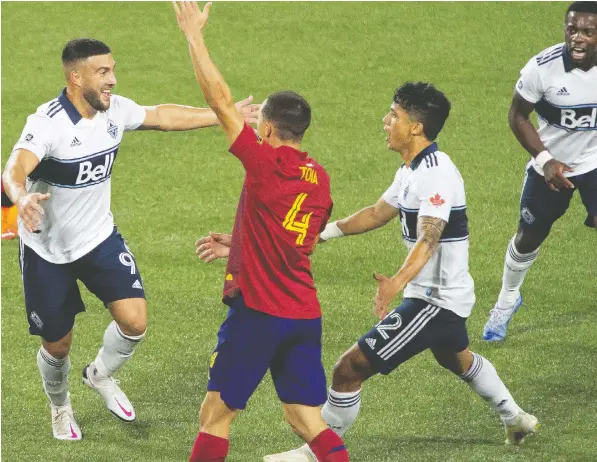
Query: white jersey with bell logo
x,y
76,156
565,99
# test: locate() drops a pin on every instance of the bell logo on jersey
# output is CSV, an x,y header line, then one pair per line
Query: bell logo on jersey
x,y
571,118
89,173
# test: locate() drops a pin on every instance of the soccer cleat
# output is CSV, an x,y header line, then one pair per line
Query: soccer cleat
x,y
302,454
519,427
496,325
64,425
107,387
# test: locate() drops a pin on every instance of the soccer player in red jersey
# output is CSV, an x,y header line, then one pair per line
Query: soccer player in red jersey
x,y
274,321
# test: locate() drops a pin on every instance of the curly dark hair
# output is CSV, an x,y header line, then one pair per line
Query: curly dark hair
x,y
426,104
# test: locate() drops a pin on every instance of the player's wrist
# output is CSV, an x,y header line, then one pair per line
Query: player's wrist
x,y
542,158
331,231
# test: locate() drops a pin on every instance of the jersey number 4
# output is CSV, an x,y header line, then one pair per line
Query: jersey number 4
x,y
294,225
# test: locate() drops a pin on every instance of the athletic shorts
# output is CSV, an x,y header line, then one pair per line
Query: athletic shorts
x,y
251,342
52,297
409,330
540,207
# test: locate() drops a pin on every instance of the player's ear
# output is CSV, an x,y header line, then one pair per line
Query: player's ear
x,y
417,129
74,76
268,130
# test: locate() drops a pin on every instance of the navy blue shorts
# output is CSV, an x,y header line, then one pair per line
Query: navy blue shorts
x,y
540,207
409,330
251,342
52,297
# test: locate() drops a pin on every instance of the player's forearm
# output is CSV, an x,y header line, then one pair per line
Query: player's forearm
x,y
14,179
214,88
360,222
416,259
526,133
174,117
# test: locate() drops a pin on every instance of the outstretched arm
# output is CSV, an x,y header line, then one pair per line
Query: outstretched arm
x,y
174,117
191,21
364,220
429,231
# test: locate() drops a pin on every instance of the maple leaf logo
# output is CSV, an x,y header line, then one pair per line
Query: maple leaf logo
x,y
437,200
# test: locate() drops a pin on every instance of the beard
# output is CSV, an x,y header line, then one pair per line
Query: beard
x,y
94,101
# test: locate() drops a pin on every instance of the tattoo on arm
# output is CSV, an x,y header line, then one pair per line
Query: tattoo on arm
x,y
429,230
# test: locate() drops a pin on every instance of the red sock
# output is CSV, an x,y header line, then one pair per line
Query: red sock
x,y
209,448
329,447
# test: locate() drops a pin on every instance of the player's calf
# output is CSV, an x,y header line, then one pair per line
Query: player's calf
x,y
483,379
351,370
212,442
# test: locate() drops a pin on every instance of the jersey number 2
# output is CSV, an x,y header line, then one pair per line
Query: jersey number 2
x,y
294,225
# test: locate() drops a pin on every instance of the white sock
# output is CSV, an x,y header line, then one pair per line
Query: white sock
x,y
116,350
515,269
341,410
54,374
484,380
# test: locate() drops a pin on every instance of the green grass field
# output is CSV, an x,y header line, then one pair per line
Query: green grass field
x,y
170,188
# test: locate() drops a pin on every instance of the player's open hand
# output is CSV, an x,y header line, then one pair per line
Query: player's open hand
x,y
31,211
190,18
214,246
249,111
554,175
386,291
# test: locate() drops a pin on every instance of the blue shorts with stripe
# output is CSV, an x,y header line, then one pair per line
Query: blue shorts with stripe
x,y
250,342
540,207
52,296
409,330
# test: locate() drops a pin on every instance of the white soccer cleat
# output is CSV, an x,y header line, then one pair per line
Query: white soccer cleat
x,y
302,454
107,387
519,427
64,425
497,324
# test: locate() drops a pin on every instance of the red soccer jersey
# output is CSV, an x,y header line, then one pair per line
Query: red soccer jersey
x,y
285,202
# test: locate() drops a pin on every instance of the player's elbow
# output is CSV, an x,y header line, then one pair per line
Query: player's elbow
x,y
516,119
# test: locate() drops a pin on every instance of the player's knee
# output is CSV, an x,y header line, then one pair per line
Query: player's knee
x,y
133,327
130,315
58,349
527,242
215,415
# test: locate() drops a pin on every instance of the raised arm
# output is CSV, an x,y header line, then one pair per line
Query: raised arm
x,y
429,231
20,164
191,21
364,220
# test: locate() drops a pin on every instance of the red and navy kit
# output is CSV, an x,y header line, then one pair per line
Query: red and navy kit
x,y
274,321
284,204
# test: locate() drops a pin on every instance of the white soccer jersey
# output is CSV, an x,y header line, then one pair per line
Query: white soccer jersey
x,y
76,160
432,186
565,100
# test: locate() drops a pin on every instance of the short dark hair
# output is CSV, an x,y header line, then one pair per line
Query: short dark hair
x,y
582,7
290,113
83,48
426,104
